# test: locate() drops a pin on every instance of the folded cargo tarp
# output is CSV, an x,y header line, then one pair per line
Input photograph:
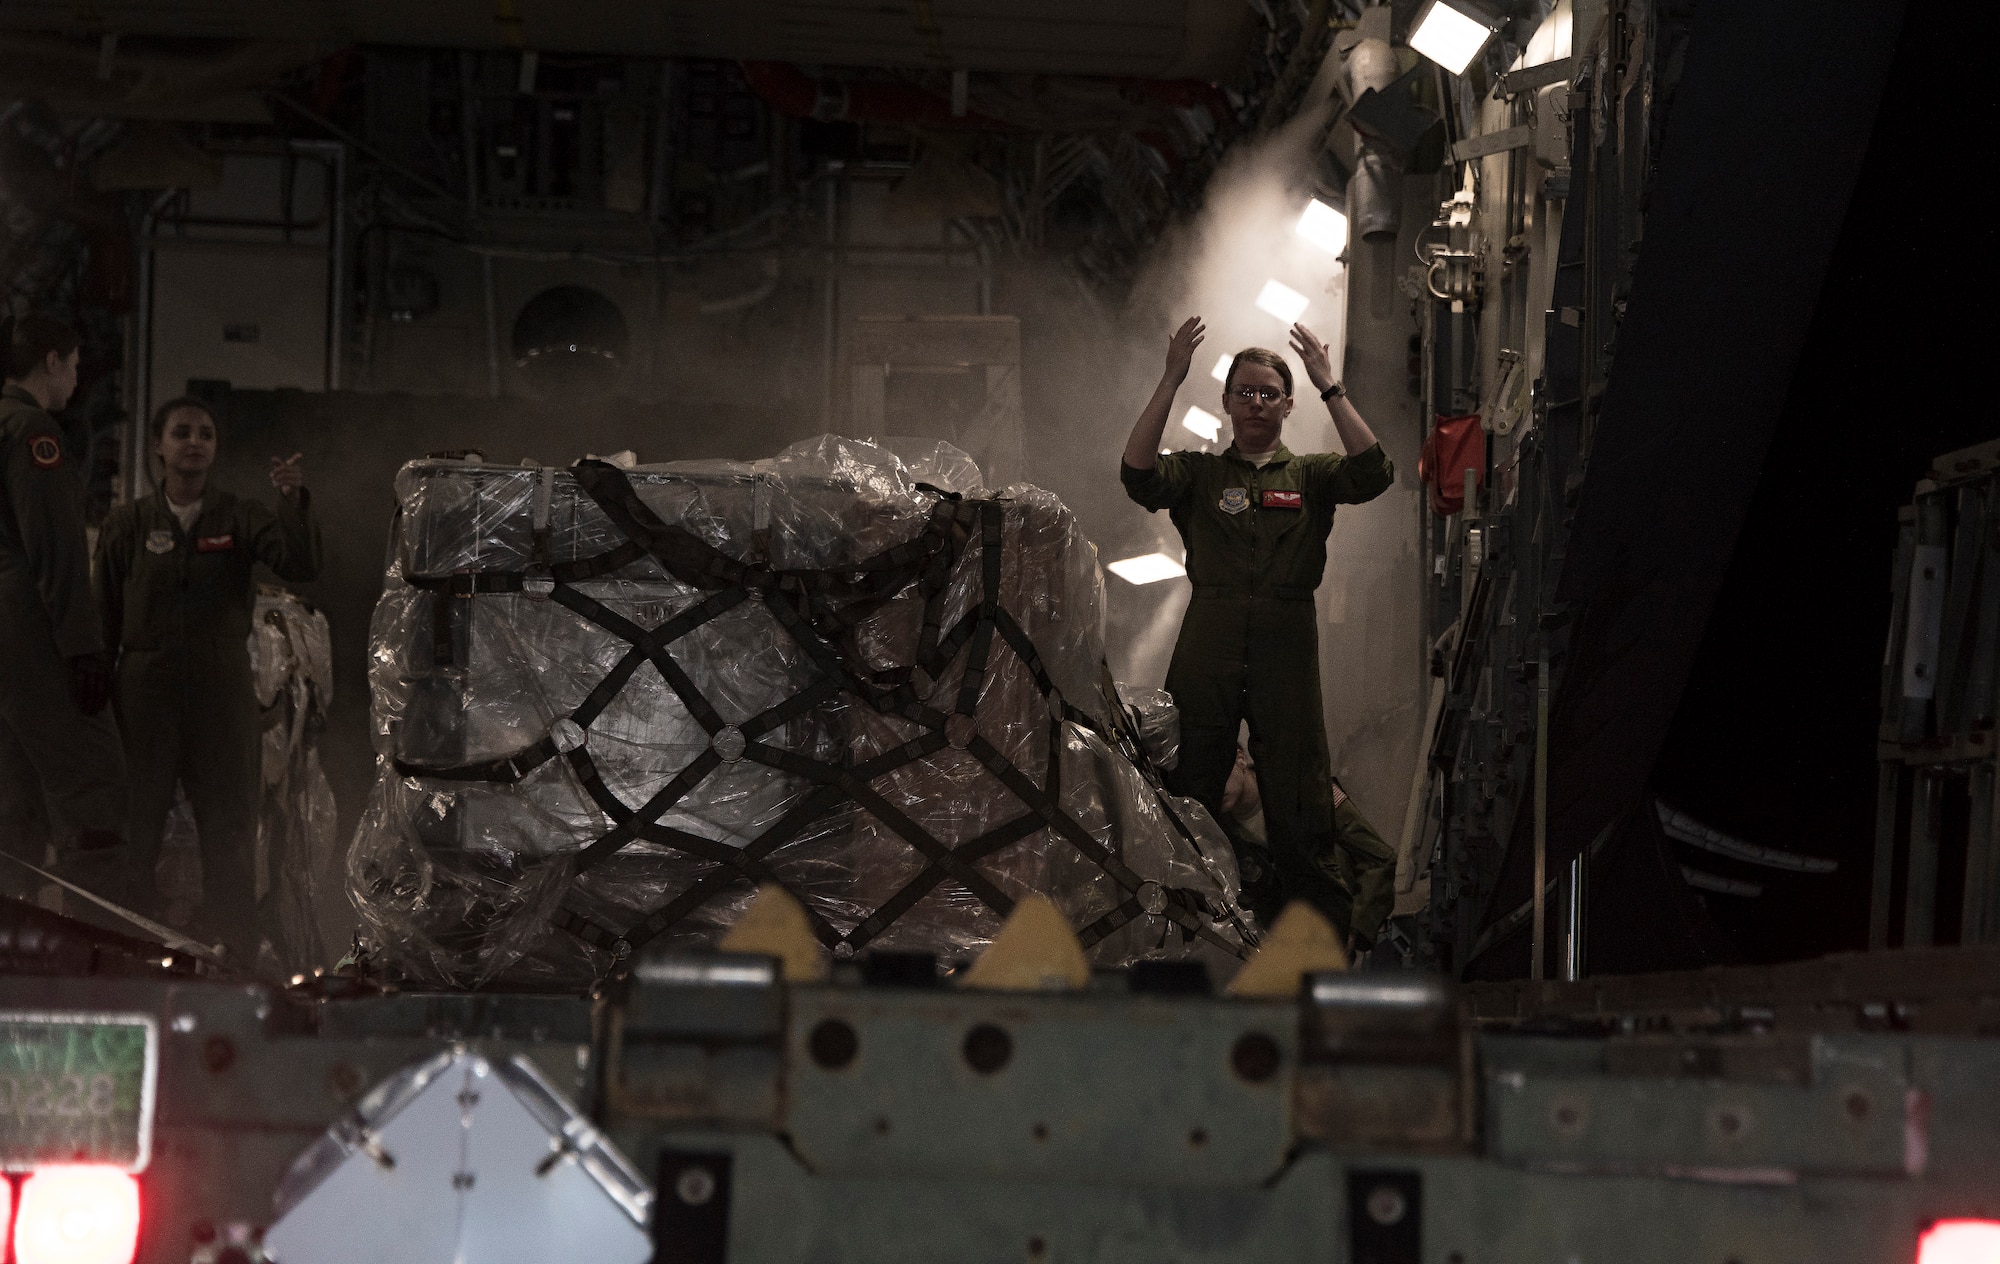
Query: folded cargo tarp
x,y
610,703
297,857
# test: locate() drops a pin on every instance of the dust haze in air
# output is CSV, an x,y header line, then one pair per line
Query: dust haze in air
x,y
1097,368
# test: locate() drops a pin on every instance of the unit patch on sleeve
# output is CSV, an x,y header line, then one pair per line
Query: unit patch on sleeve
x,y
45,452
1234,500
214,543
1274,499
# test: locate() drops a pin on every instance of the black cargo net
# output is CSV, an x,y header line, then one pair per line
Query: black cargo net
x,y
817,609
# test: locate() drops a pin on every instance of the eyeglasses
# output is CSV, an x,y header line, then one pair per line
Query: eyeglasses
x,y
1269,394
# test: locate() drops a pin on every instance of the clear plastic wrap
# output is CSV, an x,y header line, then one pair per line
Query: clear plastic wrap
x,y
608,704
291,667
296,860
1158,720
178,871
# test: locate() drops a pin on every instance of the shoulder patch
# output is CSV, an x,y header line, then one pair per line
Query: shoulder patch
x,y
45,452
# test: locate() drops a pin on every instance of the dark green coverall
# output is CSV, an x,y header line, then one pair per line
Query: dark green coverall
x,y
62,773
179,604
1249,643
1366,866
1363,864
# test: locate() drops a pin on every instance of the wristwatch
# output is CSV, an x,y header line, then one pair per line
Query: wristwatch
x,y
1331,391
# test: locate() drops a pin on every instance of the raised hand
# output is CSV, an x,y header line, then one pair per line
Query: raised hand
x,y
1314,355
288,475
1181,348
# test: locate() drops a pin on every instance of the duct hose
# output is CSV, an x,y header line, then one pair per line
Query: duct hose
x,y
1375,195
1375,190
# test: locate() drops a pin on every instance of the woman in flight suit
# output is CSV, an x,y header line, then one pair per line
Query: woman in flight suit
x,y
1255,519
175,580
61,768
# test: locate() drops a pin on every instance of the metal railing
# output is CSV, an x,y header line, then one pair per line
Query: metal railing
x,y
1937,742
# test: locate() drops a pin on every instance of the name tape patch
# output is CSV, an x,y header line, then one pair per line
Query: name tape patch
x,y
1284,500
45,452
214,543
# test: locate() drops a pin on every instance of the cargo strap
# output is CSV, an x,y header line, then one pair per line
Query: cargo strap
x,y
816,608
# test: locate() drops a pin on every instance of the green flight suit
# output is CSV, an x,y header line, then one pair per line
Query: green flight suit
x,y
179,604
1364,865
1249,643
62,773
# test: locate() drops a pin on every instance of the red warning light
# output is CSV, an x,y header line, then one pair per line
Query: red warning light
x,y
77,1214
1960,1242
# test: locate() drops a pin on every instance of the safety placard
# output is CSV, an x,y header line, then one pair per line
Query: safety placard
x,y
76,1088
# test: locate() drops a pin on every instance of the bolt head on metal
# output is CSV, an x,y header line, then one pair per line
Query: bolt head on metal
x,y
1255,1057
1386,1205
988,1048
695,1186
218,1054
1730,1122
729,743
833,1043
1569,1116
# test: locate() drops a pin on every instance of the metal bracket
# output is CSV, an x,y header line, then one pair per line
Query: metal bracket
x,y
1485,143
1385,1217
691,1210
1528,78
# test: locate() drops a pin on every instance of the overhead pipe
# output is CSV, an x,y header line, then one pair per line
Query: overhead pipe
x,y
747,298
1190,39
1183,94
1375,190
793,92
130,83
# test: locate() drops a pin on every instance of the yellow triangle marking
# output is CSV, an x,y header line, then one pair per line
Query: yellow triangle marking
x,y
1034,952
1301,942
775,926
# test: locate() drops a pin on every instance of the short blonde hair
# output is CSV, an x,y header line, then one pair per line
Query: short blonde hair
x,y
1259,355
